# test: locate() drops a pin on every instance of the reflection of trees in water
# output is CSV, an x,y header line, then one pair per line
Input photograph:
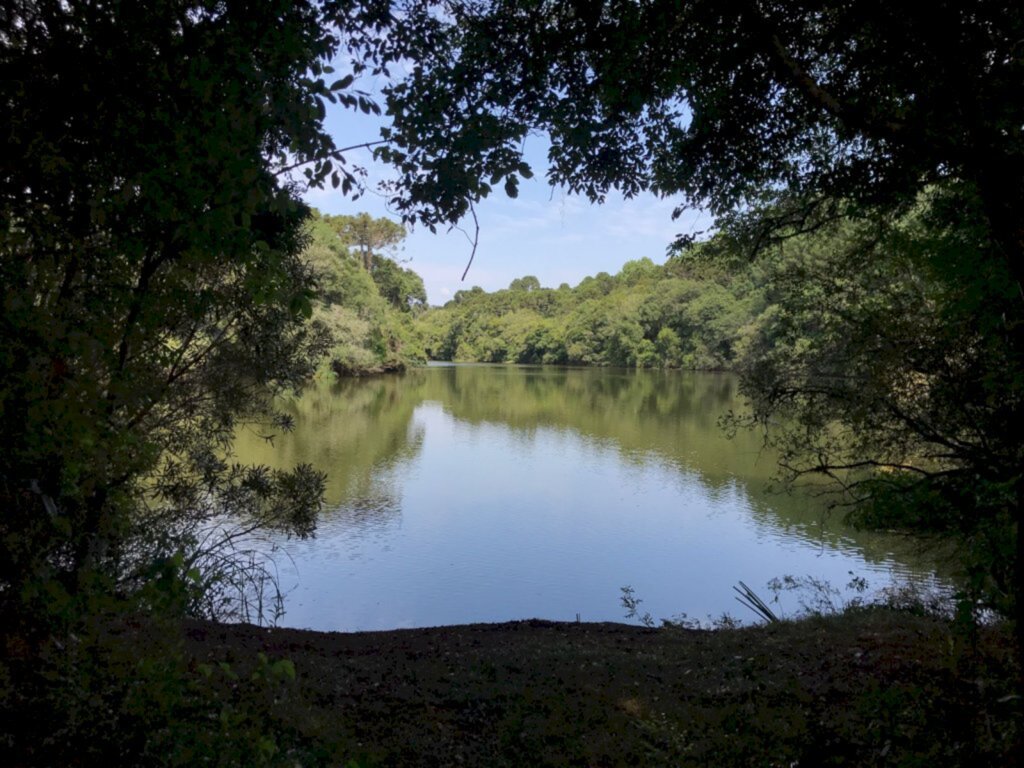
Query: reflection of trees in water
x,y
362,434
807,517
374,502
373,514
667,417
670,414
356,431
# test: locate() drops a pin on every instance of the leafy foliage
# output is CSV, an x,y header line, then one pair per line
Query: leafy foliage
x,y
366,312
154,295
647,316
153,290
728,105
127,688
888,350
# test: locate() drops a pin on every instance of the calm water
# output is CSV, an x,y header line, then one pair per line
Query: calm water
x,y
486,493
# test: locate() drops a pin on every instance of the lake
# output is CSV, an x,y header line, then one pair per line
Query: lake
x,y
476,493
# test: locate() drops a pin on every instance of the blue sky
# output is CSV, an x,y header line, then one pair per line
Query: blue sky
x,y
543,232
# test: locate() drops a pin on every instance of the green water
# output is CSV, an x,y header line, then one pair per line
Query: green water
x,y
488,493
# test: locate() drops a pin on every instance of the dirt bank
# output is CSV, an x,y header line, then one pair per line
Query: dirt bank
x,y
867,688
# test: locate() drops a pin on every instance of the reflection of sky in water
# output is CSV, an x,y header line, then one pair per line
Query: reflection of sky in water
x,y
487,523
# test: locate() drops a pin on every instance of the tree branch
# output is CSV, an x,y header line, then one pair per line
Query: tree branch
x,y
793,72
335,154
474,241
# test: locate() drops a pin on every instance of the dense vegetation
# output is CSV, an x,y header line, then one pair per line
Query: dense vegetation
x,y
365,300
684,314
154,296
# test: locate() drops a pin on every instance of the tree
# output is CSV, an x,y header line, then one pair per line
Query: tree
x,y
154,297
367,234
891,377
527,283
636,270
152,286
781,118
366,315
401,287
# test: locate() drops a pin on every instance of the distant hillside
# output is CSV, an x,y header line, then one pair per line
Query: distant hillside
x,y
689,313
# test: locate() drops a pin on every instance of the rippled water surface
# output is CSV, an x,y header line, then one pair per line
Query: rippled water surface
x,y
488,493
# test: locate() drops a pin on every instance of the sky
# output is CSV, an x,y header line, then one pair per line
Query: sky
x,y
545,232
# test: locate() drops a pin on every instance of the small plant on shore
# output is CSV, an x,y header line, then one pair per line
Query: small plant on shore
x,y
815,597
747,597
632,605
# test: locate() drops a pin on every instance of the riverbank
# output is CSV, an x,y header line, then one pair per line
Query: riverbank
x,y
345,370
873,687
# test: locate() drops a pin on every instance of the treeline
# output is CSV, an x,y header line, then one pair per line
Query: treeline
x,y
365,300
692,312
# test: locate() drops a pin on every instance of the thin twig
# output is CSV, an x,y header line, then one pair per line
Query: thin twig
x,y
474,241
335,154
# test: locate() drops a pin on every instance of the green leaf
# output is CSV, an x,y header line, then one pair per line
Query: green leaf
x,y
284,668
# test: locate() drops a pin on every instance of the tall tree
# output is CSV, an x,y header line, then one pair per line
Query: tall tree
x,y
367,235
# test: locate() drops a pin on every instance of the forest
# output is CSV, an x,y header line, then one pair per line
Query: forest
x,y
166,283
646,316
705,308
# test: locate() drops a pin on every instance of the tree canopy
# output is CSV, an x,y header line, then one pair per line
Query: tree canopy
x,y
367,234
646,316
727,105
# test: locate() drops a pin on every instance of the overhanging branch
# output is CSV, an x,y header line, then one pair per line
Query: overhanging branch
x,y
793,72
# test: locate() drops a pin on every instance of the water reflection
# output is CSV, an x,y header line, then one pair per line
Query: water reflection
x,y
357,431
483,493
